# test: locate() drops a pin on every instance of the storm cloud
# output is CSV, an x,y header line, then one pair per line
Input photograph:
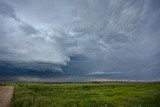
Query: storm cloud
x,y
82,36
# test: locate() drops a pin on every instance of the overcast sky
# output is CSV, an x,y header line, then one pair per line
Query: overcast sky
x,y
81,37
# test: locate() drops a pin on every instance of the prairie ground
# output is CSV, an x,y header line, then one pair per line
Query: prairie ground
x,y
105,94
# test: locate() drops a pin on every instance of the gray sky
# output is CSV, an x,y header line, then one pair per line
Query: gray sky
x,y
82,37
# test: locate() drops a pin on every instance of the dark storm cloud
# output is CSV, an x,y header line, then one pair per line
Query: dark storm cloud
x,y
23,43
120,36
6,9
28,29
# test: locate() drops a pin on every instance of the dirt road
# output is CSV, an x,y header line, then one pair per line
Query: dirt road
x,y
5,95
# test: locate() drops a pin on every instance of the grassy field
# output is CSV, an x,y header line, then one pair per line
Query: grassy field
x,y
107,94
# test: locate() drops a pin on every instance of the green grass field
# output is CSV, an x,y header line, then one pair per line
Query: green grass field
x,y
107,94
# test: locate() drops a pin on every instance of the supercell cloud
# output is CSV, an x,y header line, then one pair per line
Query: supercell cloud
x,y
82,37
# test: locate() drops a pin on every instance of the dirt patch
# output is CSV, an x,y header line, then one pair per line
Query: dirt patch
x,y
5,95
